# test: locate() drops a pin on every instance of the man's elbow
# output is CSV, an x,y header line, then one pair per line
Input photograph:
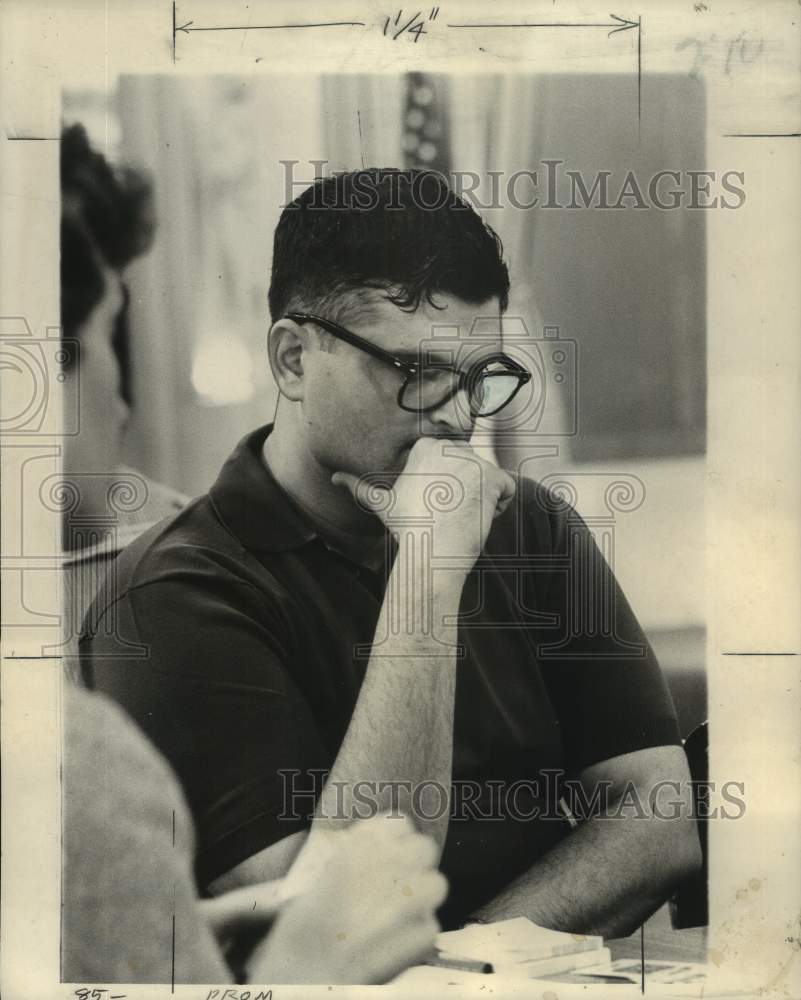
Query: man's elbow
x,y
676,850
676,845
686,858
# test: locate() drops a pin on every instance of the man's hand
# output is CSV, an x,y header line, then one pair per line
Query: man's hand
x,y
482,491
368,915
242,911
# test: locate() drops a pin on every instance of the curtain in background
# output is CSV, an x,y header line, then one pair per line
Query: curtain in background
x,y
226,153
361,116
217,149
628,287
498,124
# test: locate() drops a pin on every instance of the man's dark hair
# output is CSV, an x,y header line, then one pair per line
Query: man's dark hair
x,y
404,232
106,216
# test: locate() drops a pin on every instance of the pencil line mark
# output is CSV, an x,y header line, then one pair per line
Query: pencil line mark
x,y
268,27
642,958
13,656
762,135
639,73
619,24
361,142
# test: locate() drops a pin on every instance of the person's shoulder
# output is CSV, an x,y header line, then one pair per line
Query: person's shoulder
x,y
99,736
138,508
193,537
122,800
162,501
138,499
191,547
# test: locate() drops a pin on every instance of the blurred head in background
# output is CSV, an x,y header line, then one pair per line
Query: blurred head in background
x,y
107,220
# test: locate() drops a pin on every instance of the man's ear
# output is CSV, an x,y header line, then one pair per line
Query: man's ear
x,y
287,345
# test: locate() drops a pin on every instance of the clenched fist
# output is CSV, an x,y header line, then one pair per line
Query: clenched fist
x,y
445,482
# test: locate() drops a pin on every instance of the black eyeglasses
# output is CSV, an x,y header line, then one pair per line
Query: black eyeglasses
x,y
491,383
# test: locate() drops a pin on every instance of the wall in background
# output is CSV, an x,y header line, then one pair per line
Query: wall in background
x,y
624,289
216,148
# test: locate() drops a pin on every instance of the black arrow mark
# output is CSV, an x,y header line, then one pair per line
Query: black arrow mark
x,y
187,28
266,27
619,24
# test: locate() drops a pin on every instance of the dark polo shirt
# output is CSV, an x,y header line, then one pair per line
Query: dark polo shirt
x,y
231,634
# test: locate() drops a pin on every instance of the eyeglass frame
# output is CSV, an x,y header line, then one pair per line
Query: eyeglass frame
x,y
411,370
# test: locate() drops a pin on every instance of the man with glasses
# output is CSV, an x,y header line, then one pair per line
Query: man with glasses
x,y
363,614
491,383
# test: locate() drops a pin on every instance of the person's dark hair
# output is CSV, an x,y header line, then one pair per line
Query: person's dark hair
x,y
401,231
106,216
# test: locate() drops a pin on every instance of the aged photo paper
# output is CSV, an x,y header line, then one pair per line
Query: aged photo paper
x,y
642,169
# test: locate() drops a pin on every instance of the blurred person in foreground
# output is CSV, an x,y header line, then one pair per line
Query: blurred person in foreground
x,y
364,614
359,907
129,843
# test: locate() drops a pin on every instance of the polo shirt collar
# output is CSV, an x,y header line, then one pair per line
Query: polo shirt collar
x,y
252,504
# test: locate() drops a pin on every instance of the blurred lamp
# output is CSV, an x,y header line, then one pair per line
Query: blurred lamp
x,y
222,370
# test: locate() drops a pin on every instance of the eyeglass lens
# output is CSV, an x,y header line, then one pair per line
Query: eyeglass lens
x,y
490,388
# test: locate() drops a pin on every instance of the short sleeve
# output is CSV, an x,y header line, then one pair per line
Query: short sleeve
x,y
211,689
599,669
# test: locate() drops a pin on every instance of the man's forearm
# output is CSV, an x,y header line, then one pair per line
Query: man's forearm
x,y
401,732
605,878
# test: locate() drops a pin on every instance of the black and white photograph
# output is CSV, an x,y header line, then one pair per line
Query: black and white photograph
x,y
400,500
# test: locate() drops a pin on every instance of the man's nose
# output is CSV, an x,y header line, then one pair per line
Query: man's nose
x,y
452,418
